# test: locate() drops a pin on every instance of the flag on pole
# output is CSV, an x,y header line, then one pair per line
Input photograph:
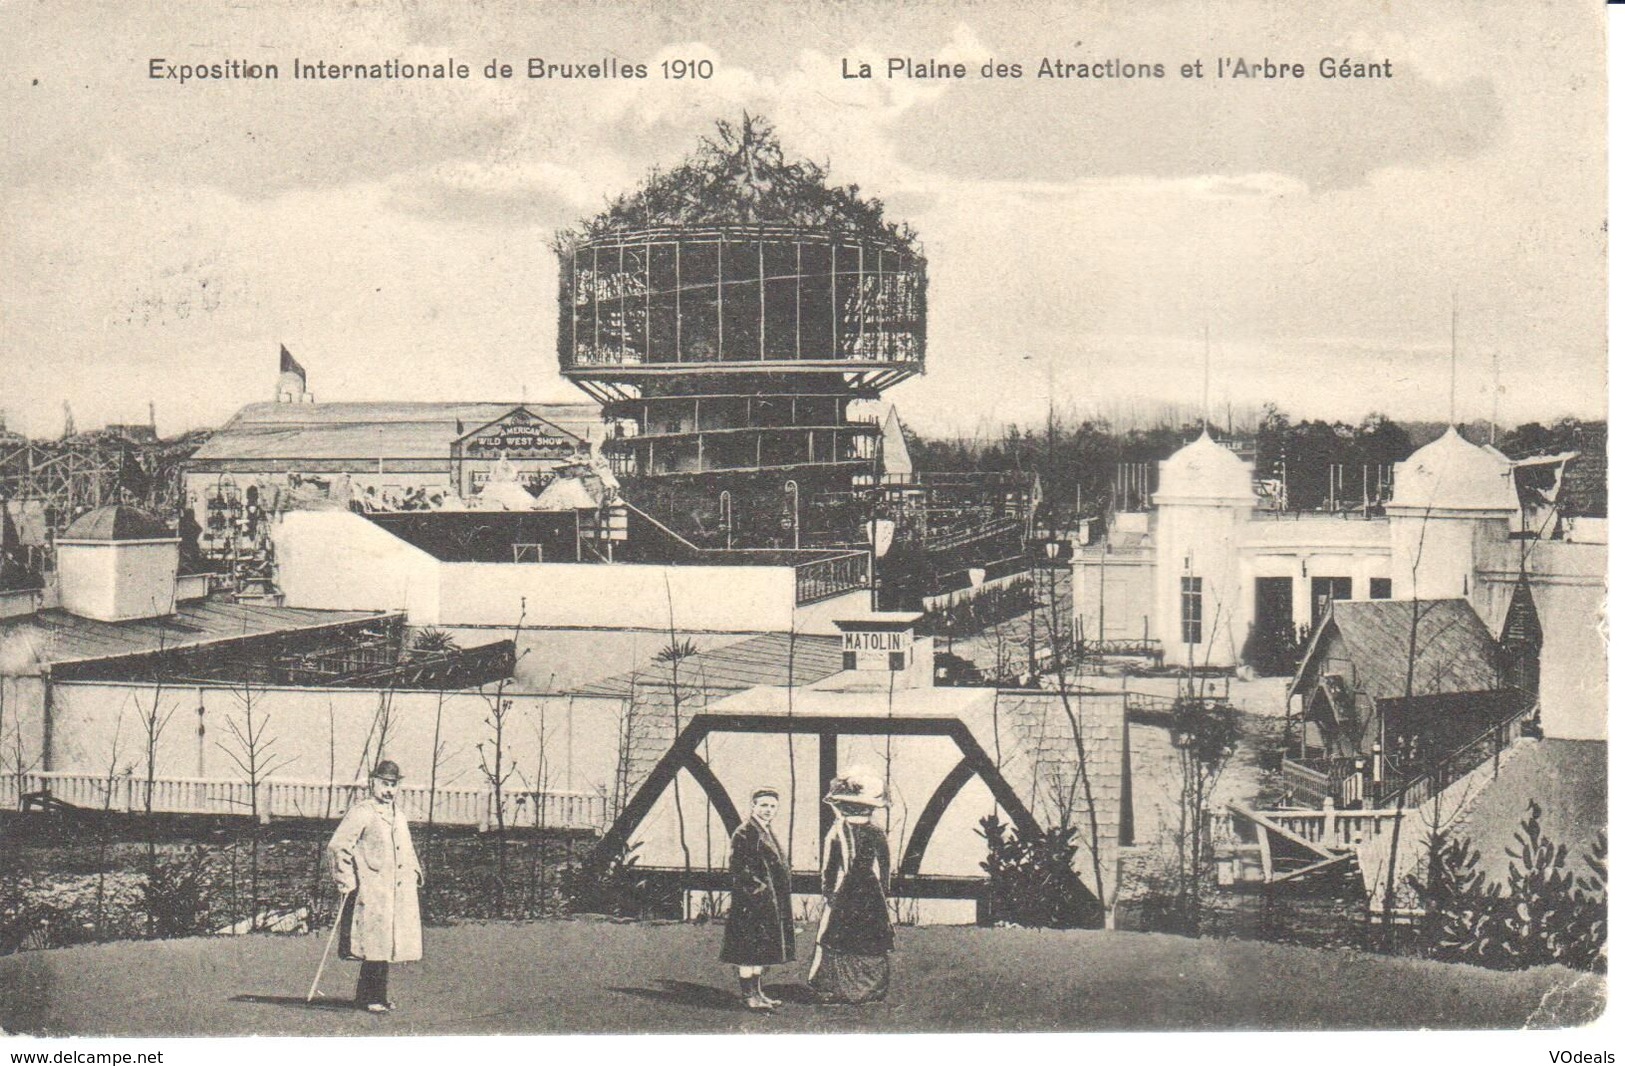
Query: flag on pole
x,y
290,365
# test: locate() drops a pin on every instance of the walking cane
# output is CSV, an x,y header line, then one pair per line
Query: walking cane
x,y
312,994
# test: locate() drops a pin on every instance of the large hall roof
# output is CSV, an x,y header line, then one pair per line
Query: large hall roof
x,y
372,430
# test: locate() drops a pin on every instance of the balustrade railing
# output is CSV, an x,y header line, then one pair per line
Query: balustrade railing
x,y
1328,827
823,578
475,806
1419,788
1305,781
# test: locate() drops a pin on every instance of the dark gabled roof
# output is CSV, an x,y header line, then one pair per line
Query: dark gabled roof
x,y
1522,625
1455,652
1584,490
117,522
760,660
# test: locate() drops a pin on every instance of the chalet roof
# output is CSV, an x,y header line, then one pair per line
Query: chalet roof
x,y
1455,652
372,430
760,660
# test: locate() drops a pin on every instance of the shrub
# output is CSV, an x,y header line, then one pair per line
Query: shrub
x,y
1587,930
1547,914
431,641
175,895
1461,910
617,888
1031,878
35,915
1552,916
741,178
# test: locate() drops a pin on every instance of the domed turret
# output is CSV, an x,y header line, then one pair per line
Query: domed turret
x,y
1451,474
116,522
1451,499
1204,471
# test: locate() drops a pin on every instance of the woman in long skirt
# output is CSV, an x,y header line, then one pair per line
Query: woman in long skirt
x,y
851,960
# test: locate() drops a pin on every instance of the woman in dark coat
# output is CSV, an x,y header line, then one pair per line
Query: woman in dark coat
x,y
851,962
759,932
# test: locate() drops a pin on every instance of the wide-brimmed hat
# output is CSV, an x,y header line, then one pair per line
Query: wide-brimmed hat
x,y
386,770
858,786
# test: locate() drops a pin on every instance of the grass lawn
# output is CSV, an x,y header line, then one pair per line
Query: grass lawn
x,y
603,977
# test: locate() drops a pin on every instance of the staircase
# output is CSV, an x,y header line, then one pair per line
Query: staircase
x,y
1295,844
1442,809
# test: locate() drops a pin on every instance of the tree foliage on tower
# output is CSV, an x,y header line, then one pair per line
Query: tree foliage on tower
x,y
741,176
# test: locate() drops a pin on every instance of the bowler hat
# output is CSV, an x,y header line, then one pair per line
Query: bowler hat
x,y
386,770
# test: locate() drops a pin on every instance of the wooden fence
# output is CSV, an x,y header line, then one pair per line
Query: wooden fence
x,y
278,798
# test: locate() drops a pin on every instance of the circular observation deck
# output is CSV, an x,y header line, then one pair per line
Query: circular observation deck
x,y
640,306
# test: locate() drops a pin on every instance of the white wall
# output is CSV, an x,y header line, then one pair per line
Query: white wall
x,y
1128,595
115,580
737,599
98,724
1569,584
1208,537
337,560
819,618
22,723
1440,547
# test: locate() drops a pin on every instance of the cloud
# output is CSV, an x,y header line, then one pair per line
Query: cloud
x,y
1326,134
251,138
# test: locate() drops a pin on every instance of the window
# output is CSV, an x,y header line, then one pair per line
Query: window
x,y
1382,588
1190,609
849,660
894,660
1322,590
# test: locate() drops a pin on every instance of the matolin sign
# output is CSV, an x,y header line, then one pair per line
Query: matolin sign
x,y
868,640
881,640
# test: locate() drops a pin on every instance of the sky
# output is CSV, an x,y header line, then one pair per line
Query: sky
x,y
159,241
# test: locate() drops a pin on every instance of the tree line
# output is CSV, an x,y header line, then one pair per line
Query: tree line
x,y
1078,459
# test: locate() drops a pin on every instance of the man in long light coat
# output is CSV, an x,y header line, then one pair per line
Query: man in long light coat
x,y
374,865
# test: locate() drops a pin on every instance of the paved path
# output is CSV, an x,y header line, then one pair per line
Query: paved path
x,y
595,977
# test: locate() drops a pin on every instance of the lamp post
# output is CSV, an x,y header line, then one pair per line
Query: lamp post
x,y
1052,549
